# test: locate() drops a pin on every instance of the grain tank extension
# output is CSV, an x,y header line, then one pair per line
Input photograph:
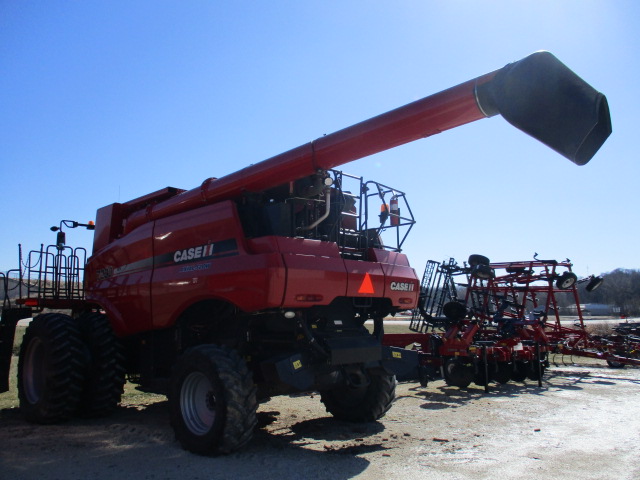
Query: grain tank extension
x,y
260,283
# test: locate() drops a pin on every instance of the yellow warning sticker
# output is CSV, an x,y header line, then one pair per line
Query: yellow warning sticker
x,y
396,354
297,364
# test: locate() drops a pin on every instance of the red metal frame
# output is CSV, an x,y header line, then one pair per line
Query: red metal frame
x,y
513,315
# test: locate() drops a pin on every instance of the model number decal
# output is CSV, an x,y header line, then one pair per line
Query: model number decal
x,y
402,286
195,268
104,273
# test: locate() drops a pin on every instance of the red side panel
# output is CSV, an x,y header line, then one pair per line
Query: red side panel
x,y
118,279
315,272
366,279
108,225
402,285
201,255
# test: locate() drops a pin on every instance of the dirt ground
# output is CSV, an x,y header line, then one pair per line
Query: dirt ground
x,y
583,423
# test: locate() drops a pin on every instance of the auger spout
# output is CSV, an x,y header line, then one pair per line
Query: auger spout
x,y
538,94
542,97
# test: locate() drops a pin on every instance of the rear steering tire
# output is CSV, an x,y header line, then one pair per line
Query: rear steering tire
x,y
361,404
51,369
212,400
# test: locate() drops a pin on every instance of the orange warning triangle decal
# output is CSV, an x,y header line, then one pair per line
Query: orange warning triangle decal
x,y
366,286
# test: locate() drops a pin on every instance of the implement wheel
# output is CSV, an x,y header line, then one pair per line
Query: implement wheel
x,y
483,272
457,374
480,377
536,370
476,259
520,370
566,280
212,400
51,369
360,404
502,373
614,364
104,383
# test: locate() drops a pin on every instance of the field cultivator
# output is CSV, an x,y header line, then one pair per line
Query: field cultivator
x,y
481,322
618,350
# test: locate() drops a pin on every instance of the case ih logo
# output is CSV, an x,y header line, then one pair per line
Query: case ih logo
x,y
222,248
204,251
402,286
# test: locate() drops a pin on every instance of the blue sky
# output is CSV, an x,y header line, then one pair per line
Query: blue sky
x,y
104,101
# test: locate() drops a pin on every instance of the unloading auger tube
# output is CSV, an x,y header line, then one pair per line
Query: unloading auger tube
x,y
538,94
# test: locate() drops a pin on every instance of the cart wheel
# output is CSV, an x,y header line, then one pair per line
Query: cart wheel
x,y
515,269
614,364
594,283
566,280
454,310
476,259
483,272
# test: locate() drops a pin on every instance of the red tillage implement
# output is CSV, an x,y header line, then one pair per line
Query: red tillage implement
x,y
500,321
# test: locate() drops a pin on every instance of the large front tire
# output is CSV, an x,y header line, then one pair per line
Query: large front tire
x,y
51,369
212,401
361,404
104,382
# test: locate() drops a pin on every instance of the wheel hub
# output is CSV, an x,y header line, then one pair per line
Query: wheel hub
x,y
198,403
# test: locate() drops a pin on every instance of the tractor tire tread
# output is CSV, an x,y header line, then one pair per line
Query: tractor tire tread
x,y
104,383
62,370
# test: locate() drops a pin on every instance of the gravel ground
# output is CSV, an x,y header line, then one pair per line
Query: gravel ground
x,y
584,423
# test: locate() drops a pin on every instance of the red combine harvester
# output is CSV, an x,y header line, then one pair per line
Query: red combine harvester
x,y
505,324
260,283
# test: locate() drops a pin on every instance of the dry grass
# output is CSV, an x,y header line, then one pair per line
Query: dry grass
x,y
600,329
